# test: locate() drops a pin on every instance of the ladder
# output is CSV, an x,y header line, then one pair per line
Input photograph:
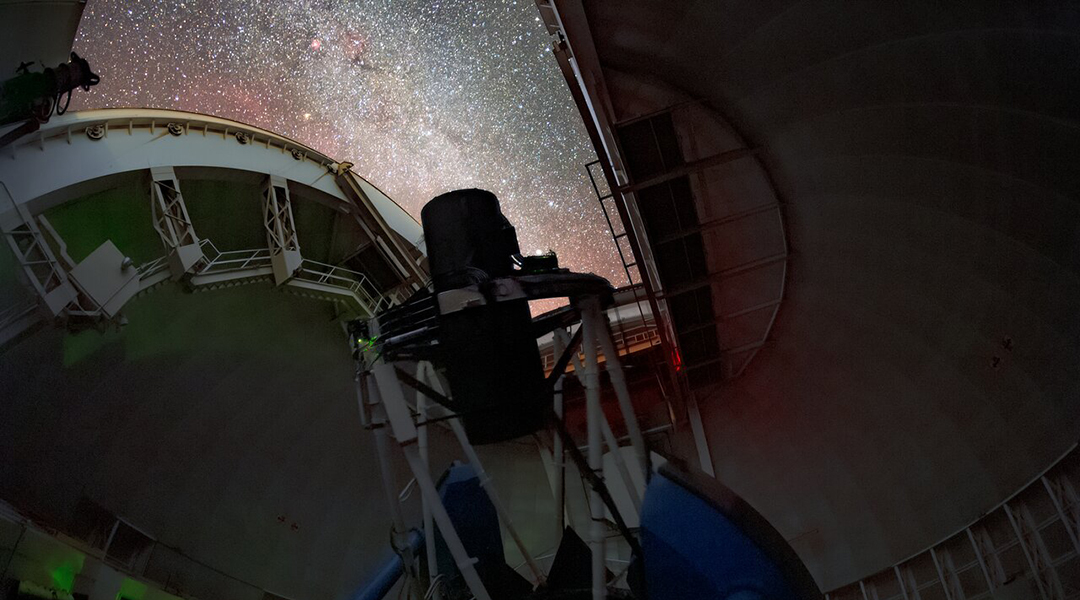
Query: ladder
x,y
617,237
630,267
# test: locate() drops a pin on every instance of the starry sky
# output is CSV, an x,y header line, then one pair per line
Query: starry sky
x,y
423,96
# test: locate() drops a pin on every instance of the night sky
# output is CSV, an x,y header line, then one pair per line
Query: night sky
x,y
424,97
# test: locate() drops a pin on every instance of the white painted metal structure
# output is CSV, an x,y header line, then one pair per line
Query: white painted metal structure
x,y
919,372
381,397
74,155
137,139
164,154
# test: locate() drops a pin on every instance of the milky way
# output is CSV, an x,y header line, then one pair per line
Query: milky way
x,y
423,97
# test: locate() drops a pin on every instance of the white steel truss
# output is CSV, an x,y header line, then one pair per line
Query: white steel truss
x,y
987,556
172,222
385,410
280,228
1038,558
908,584
946,571
1067,504
43,271
1011,527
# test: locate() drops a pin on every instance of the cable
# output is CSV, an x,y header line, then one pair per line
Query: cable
x,y
435,584
595,482
67,103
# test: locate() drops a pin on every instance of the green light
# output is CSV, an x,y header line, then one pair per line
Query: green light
x,y
366,344
131,590
63,574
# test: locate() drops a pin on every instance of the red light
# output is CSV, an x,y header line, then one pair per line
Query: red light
x,y
316,44
676,359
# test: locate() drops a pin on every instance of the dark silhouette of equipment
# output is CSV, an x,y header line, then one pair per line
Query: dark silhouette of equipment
x,y
33,97
488,350
696,538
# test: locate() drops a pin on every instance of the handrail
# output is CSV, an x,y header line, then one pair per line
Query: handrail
x,y
245,258
218,261
152,267
356,282
16,312
190,565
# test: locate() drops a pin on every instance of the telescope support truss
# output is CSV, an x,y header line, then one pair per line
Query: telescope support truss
x,y
385,410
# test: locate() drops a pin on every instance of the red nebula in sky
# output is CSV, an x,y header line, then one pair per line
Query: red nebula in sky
x,y
316,44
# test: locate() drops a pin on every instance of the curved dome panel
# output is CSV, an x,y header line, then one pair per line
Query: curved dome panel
x,y
922,365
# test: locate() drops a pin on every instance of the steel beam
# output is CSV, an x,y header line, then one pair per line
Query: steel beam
x,y
1038,559
987,557
172,222
690,168
1067,504
908,586
395,414
946,571
45,275
280,229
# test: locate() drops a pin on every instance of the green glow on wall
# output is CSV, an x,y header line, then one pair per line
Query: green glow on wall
x,y
121,214
80,345
63,574
131,589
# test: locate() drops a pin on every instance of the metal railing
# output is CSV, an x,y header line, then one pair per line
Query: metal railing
x,y
629,337
13,314
354,281
232,261
162,566
153,267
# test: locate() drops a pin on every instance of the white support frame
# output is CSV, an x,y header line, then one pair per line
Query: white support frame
x,y
622,393
1067,504
280,229
43,271
473,459
371,403
610,440
1031,542
425,373
1046,569
388,401
390,411
172,222
987,557
590,310
559,343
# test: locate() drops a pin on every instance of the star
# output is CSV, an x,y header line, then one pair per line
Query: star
x,y
423,97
